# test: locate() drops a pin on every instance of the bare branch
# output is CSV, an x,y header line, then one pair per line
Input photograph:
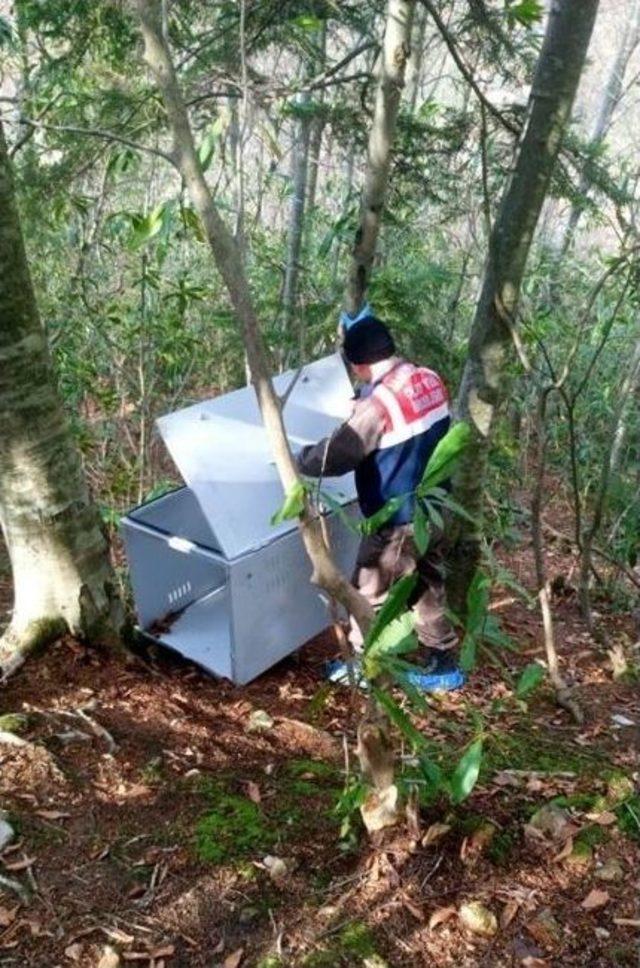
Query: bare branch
x,y
98,133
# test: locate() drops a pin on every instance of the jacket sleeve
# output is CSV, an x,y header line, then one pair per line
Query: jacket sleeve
x,y
348,445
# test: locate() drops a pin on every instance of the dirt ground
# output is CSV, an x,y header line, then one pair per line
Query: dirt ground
x,y
167,819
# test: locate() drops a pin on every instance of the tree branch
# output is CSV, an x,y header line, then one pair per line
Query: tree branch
x,y
97,133
511,126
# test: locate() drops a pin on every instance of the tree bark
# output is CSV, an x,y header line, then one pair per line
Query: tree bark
x,y
61,573
483,388
393,61
227,259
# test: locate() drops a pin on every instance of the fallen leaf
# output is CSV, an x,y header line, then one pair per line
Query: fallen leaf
x,y
163,952
595,899
380,809
545,929
233,960
19,865
532,962
434,833
629,922
137,890
7,916
253,792
478,919
277,867
109,958
506,778
117,935
508,913
566,850
259,721
440,915
603,819
620,720
74,952
417,912
611,870
53,814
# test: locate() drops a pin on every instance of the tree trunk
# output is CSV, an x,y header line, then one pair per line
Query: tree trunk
x,y
414,67
482,388
227,259
61,572
619,427
393,61
629,39
299,170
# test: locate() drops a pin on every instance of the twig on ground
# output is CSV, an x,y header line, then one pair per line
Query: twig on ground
x,y
11,884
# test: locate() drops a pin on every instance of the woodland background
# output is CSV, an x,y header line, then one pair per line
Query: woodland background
x,y
139,322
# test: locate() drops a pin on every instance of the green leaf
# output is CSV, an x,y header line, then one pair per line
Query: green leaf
x,y
293,504
465,775
399,718
448,502
395,603
432,774
445,456
145,228
477,603
208,145
377,520
350,522
396,638
308,22
468,653
435,517
526,12
420,530
530,678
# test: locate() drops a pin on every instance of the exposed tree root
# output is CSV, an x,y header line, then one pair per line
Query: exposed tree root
x,y
17,643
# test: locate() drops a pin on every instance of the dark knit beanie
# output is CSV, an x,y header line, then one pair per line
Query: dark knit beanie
x,y
368,341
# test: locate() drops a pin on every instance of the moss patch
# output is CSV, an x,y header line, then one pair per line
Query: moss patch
x,y
352,946
234,827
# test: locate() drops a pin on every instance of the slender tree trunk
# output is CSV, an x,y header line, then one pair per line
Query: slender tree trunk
x,y
414,67
299,170
227,258
619,426
393,61
483,386
61,573
317,126
629,39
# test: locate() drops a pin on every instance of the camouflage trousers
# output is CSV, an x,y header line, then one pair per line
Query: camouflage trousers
x,y
390,554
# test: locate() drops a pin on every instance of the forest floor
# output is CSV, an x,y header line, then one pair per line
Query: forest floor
x,y
146,798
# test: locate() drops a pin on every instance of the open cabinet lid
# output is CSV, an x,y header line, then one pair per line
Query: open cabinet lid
x,y
221,449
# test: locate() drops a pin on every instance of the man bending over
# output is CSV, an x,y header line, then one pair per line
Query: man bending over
x,y
399,414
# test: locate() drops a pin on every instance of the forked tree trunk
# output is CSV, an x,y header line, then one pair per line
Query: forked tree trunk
x,y
483,385
61,573
227,259
393,61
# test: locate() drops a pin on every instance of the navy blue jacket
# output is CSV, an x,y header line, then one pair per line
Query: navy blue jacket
x,y
397,421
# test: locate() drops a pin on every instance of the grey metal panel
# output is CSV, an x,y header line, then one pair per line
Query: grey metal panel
x,y
167,572
275,608
178,513
203,633
223,453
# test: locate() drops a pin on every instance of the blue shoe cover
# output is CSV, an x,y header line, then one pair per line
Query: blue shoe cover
x,y
338,671
437,682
